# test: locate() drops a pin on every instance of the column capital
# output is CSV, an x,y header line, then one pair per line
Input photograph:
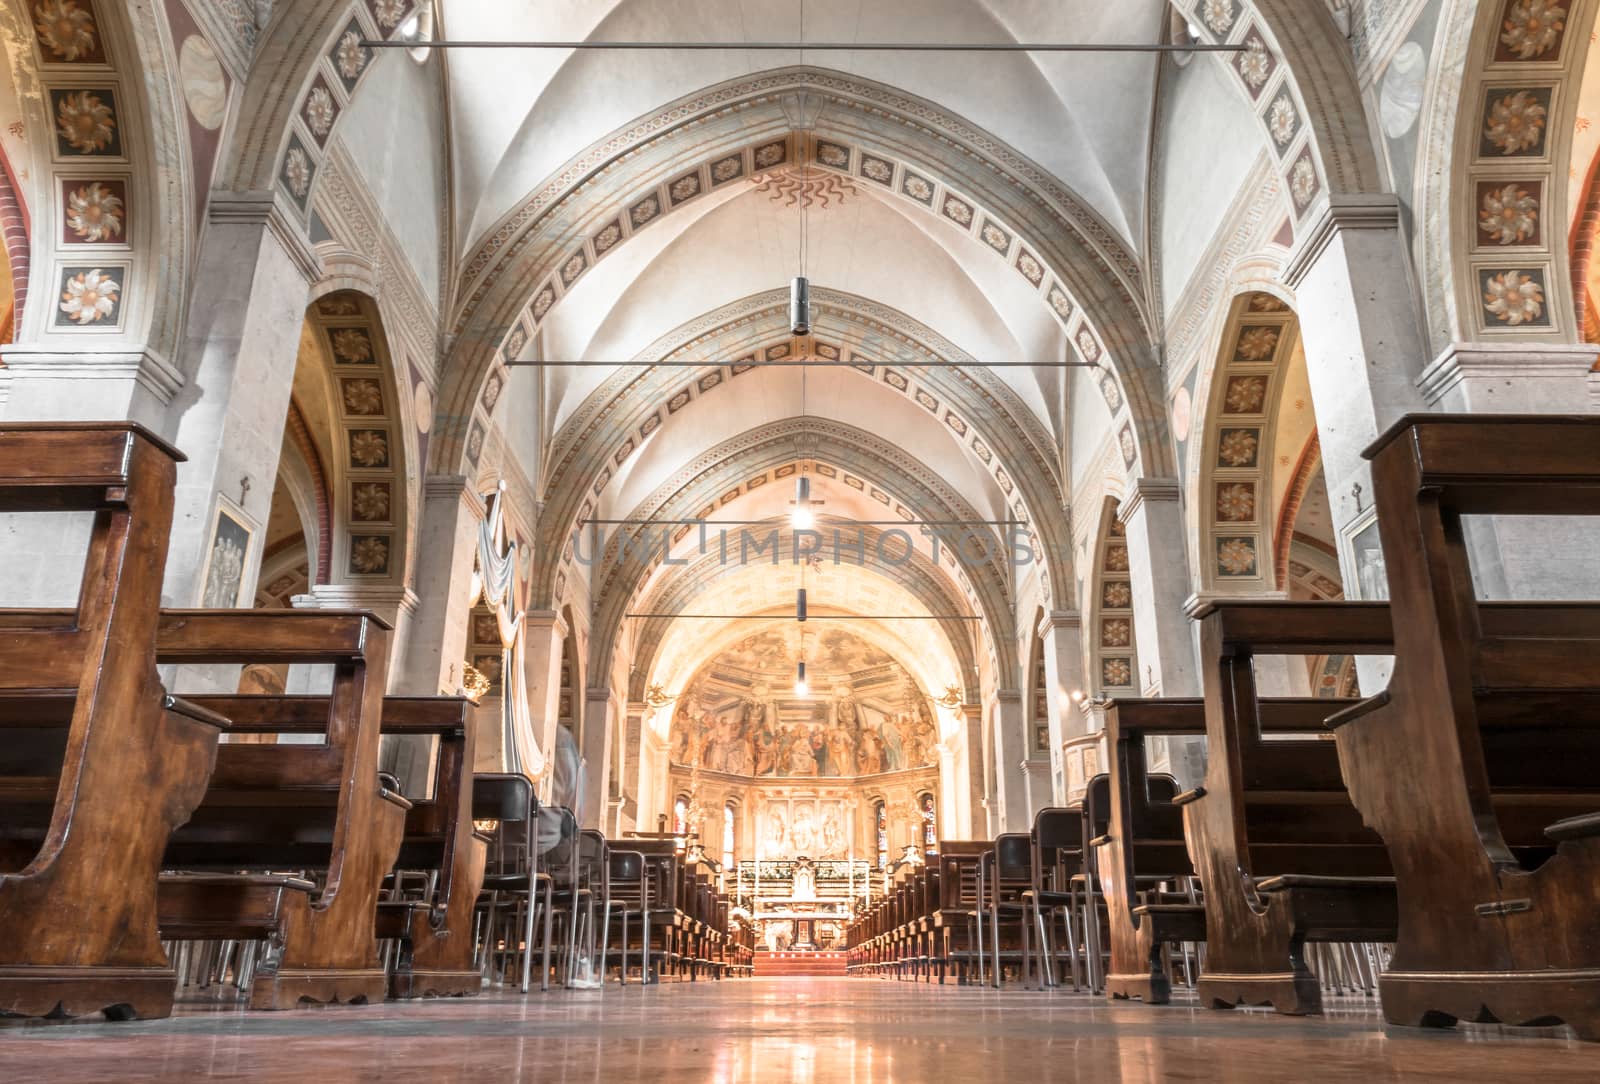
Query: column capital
x,y
1148,489
1008,696
267,210
1201,599
141,365
386,600
1343,212
1465,375
1060,620
546,619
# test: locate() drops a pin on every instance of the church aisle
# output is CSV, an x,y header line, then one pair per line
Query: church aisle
x,y
812,1030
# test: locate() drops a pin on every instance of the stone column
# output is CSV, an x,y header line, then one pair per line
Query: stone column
x,y
447,544
1011,754
1363,341
1521,557
1062,633
1162,633
599,720
543,632
242,343
629,795
977,780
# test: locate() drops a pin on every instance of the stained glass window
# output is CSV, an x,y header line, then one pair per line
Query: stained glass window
x,y
883,836
930,825
727,836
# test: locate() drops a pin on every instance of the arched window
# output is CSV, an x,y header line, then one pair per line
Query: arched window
x,y
882,821
930,824
727,836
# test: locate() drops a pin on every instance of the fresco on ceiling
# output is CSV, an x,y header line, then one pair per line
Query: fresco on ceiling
x,y
865,714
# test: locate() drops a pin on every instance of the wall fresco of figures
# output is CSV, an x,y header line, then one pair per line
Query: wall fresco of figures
x,y
866,715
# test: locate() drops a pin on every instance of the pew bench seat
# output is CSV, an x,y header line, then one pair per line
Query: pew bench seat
x,y
1324,908
216,907
1174,922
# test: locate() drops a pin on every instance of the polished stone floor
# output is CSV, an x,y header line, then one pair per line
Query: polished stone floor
x,y
813,1030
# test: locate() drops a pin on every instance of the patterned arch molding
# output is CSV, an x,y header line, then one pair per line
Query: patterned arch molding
x,y
597,440
1519,92
331,83
736,467
1116,659
918,577
1237,435
987,190
700,487
367,413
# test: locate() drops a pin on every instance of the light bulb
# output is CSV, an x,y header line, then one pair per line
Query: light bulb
x,y
802,517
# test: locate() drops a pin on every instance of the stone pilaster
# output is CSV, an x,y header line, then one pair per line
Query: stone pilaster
x,y
1153,520
447,544
599,721
1062,633
240,350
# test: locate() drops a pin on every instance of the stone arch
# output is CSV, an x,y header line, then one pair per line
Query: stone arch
x,y
1494,205
878,344
345,363
732,465
308,66
1298,74
1237,404
522,267
103,179
1112,644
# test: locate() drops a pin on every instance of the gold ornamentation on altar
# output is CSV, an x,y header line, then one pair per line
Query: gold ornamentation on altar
x,y
475,683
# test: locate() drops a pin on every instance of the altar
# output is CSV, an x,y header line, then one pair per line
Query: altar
x,y
800,905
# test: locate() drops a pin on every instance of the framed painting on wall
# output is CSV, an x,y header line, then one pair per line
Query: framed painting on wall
x,y
1364,556
227,557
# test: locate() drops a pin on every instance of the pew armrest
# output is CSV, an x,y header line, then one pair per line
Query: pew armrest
x,y
190,710
1575,828
1189,796
1356,711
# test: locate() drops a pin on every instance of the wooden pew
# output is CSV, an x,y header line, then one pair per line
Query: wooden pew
x,y
1477,765
274,807
955,917
1280,850
436,939
1144,842
97,764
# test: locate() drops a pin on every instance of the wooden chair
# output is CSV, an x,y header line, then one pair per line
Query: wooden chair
x,y
98,765
1144,843
1477,764
319,807
1281,852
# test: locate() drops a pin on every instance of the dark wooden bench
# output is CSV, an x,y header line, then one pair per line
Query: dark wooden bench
x,y
435,934
313,807
1477,764
97,764
1144,843
1281,852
